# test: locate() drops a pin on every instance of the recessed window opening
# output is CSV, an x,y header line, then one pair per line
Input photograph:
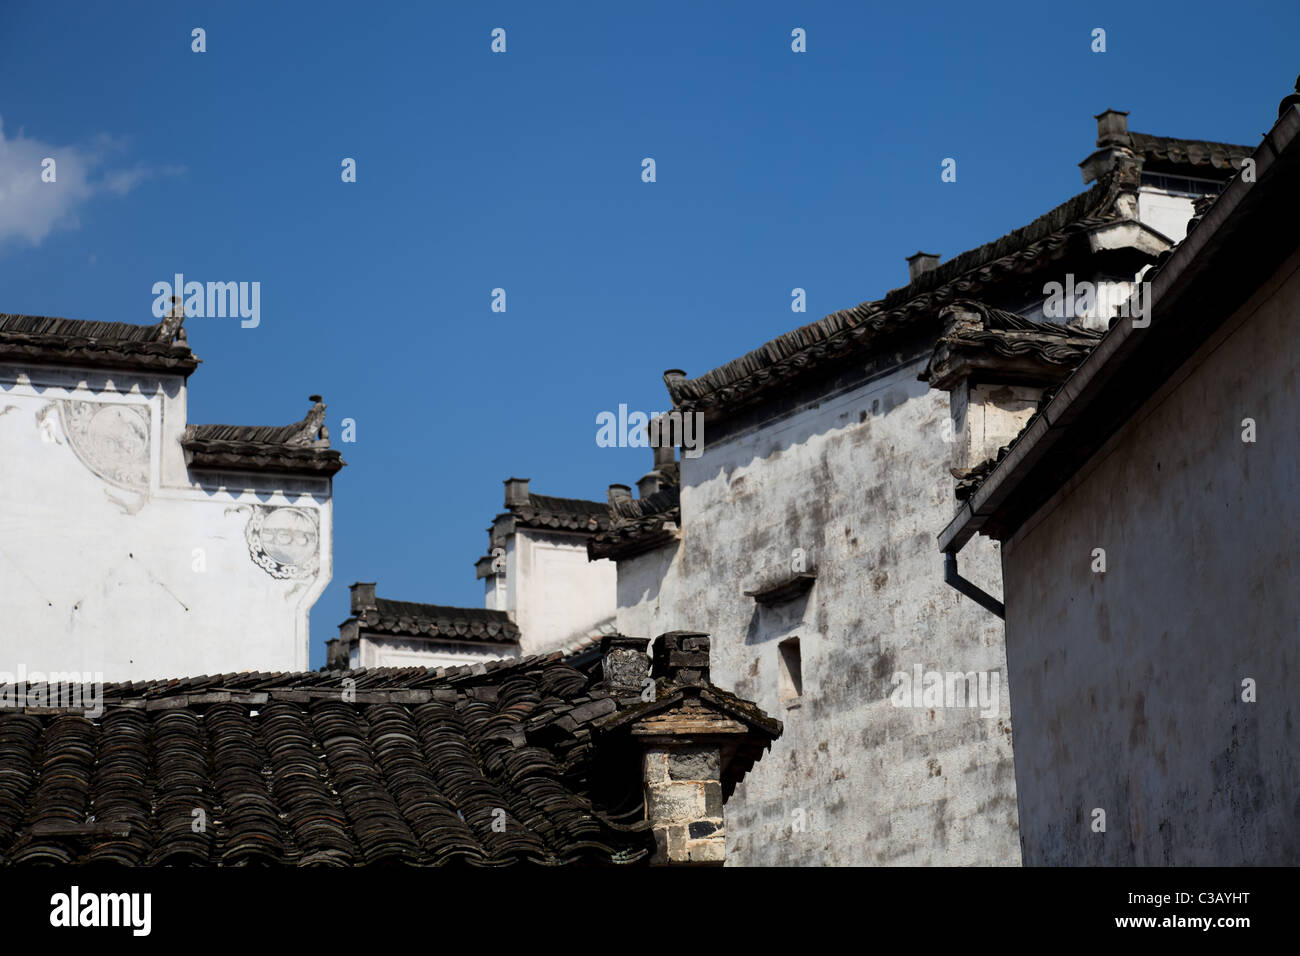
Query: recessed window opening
x,y
791,671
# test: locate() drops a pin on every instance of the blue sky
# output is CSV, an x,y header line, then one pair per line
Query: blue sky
x,y
522,171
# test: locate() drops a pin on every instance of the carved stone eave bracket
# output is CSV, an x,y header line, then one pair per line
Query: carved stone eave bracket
x,y
989,345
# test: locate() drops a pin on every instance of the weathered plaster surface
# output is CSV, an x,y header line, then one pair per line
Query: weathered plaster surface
x,y
860,482
647,589
399,652
114,559
1126,687
555,594
1165,211
986,417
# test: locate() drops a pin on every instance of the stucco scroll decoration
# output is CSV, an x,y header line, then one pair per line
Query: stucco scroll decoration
x,y
112,440
284,542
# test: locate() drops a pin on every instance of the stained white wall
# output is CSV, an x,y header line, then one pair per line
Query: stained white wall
x,y
114,559
648,587
860,481
396,652
1127,685
1165,212
556,595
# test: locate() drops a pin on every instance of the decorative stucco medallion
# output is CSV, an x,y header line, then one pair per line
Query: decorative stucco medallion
x,y
111,440
284,542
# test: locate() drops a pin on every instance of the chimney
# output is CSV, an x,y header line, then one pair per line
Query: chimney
x,y
336,655
682,657
363,596
664,455
648,483
920,263
625,665
516,492
1112,128
619,493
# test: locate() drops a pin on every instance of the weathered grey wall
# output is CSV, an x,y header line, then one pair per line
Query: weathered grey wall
x,y
858,478
1126,687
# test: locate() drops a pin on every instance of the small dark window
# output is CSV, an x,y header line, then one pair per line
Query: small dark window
x,y
791,671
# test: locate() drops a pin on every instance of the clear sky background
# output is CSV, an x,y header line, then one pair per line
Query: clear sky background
x,y
522,170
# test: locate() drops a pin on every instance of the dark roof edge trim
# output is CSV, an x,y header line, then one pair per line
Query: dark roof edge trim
x,y
1067,404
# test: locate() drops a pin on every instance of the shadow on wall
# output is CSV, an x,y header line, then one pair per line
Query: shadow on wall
x,y
770,622
653,584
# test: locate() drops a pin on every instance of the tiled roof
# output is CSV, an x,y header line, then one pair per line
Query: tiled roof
x,y
1068,354
262,434
294,449
638,525
95,344
850,332
285,769
433,620
1162,151
573,514
1194,288
588,643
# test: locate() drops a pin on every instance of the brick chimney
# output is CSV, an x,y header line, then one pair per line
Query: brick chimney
x,y
1112,128
681,657
363,597
682,762
516,492
694,747
1114,148
919,263
619,493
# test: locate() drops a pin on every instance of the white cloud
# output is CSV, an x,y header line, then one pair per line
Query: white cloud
x,y
30,209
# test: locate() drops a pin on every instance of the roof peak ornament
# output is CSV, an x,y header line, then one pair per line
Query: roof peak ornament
x,y
170,329
311,430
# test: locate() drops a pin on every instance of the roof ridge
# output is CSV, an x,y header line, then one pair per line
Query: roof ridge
x,y
1184,139
720,386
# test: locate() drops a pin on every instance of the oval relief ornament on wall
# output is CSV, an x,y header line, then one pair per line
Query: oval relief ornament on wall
x,y
111,440
284,542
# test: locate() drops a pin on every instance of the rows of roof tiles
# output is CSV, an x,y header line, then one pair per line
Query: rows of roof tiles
x,y
1188,152
433,620
451,775
569,514
109,344
638,524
